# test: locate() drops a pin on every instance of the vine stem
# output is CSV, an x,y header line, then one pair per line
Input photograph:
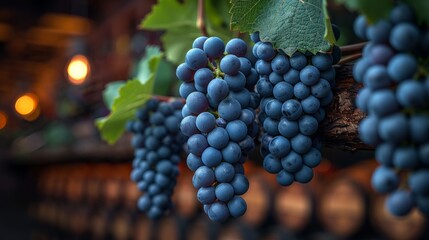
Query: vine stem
x,y
167,98
350,58
352,48
201,18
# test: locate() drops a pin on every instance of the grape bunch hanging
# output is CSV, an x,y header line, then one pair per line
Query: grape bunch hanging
x,y
394,72
157,143
219,119
294,93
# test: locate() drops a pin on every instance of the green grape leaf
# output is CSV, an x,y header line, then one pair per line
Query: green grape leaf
x,y
145,65
421,8
373,10
165,75
178,20
291,25
111,92
170,14
177,42
132,95
329,32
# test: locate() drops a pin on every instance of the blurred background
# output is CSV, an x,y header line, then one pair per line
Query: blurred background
x,y
59,180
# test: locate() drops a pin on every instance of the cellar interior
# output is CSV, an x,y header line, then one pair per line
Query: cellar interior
x,y
59,179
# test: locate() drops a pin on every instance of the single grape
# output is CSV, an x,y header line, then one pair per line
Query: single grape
x,y
292,162
273,109
184,73
264,87
196,59
321,89
400,203
310,105
336,54
291,77
235,82
255,37
245,66
393,128
301,91
309,75
280,64
237,130
236,47
418,180
197,102
360,27
199,42
411,94
384,154
384,180
404,37
202,78
217,89
203,177
230,64
312,158
229,109
368,130
188,126
197,143
284,178
322,61
380,54
211,157
405,158
263,67
224,172
401,67
382,103
224,192
292,109
379,32
265,51
283,91
218,212
301,143
298,61
376,77
275,78
308,125
237,207
205,122
214,47
304,175
272,164
218,138
401,13
231,153
279,146
360,68
288,128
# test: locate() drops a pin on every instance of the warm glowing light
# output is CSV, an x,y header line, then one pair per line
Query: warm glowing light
x,y
3,120
78,69
26,104
33,116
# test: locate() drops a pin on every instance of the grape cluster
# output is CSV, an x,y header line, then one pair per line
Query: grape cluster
x,y
158,143
396,99
294,92
219,119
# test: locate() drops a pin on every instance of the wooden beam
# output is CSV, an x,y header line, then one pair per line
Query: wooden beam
x,y
340,128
